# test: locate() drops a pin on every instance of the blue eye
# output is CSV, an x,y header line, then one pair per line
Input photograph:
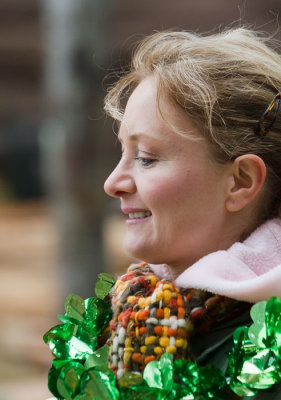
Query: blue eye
x,y
145,162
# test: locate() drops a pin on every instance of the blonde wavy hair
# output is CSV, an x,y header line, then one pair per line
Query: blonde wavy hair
x,y
224,83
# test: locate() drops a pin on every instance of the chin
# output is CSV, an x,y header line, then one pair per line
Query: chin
x,y
135,253
140,252
143,253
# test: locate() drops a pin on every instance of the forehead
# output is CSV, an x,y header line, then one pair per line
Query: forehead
x,y
149,112
141,109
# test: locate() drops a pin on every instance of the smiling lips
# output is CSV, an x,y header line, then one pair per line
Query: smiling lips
x,y
136,215
139,214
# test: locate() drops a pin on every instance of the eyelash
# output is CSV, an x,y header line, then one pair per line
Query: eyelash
x,y
145,162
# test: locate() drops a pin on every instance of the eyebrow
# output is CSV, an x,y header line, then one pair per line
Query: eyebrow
x,y
135,136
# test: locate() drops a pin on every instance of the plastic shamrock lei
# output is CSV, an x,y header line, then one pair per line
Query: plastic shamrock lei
x,y
80,369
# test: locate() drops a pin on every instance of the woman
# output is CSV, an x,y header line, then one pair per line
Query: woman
x,y
200,182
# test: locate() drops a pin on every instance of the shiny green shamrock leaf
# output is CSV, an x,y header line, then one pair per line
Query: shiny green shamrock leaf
x,y
273,322
257,331
98,313
195,381
98,384
104,284
261,370
159,374
74,307
131,379
98,359
133,386
70,341
242,350
68,383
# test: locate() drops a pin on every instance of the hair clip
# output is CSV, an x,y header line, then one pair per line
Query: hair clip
x,y
268,117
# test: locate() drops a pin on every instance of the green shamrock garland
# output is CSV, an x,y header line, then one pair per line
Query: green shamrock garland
x,y
80,368
255,361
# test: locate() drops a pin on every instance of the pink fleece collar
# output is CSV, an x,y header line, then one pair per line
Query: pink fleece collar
x,y
247,271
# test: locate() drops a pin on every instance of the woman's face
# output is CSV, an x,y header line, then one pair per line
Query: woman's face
x,y
170,189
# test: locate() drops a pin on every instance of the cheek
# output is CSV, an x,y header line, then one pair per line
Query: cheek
x,y
177,188
154,198
190,193
167,191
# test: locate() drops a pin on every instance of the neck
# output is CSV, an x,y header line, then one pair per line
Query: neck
x,y
237,230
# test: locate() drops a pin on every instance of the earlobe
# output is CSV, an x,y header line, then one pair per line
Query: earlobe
x,y
245,181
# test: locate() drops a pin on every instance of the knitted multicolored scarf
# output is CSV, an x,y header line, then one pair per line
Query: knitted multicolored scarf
x,y
153,317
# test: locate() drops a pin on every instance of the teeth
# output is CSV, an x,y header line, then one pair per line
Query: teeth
x,y
140,214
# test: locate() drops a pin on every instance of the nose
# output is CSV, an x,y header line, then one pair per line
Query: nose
x,y
120,182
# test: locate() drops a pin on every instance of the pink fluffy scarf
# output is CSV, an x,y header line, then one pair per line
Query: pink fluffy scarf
x,y
248,271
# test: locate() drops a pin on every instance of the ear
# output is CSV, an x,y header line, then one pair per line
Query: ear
x,y
245,182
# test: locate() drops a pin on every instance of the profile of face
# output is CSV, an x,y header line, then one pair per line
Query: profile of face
x,y
170,188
